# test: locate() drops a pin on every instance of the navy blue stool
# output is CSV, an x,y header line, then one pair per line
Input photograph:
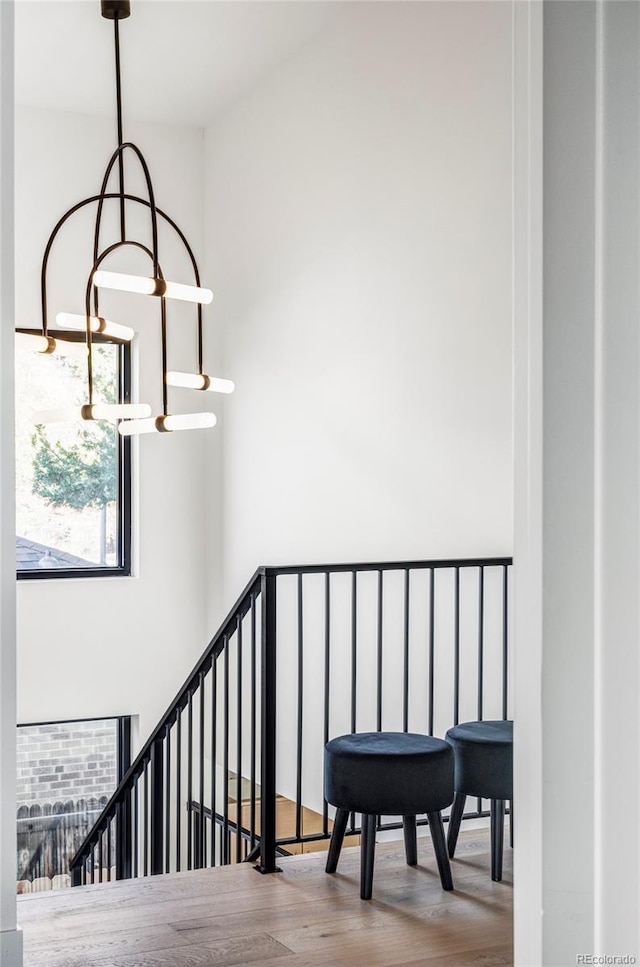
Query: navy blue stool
x,y
388,774
483,768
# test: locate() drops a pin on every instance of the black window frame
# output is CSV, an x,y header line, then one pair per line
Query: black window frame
x,y
123,569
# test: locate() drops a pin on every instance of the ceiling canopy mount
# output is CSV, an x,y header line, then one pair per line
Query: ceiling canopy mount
x,y
115,9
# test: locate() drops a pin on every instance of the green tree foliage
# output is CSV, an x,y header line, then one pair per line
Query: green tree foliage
x,y
76,476
82,474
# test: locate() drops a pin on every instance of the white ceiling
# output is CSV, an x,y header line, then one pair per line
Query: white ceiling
x,y
182,60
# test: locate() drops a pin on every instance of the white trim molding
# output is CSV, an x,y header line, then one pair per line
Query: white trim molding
x,y
577,481
527,364
11,945
10,935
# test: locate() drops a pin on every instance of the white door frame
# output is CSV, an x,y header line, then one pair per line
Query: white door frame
x,y
577,481
10,936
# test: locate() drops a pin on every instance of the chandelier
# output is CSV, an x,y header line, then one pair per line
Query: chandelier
x,y
132,418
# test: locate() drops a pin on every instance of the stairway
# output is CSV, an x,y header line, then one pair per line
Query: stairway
x,y
305,653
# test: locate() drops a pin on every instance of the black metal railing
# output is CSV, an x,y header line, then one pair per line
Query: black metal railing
x,y
233,771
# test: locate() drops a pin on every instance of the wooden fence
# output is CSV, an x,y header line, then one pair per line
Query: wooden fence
x,y
48,836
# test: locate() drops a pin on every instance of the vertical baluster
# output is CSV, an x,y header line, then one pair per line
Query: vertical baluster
x,y
190,781
379,656
253,721
167,802
179,790
123,823
109,863
200,856
225,761
239,823
432,644
354,663
145,822
100,856
268,724
405,684
136,810
156,805
300,712
505,641
480,653
214,737
456,651
327,680
354,648
204,841
480,642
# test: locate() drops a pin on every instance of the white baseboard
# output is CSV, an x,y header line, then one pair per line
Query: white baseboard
x,y
11,948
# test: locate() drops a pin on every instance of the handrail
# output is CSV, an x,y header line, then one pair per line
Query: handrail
x,y
216,644
278,569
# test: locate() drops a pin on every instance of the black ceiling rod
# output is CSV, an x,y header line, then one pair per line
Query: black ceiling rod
x,y
118,10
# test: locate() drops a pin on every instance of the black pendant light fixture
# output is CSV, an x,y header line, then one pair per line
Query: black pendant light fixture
x,y
132,418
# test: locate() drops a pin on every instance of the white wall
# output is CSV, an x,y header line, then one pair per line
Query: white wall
x,y
115,645
358,237
10,937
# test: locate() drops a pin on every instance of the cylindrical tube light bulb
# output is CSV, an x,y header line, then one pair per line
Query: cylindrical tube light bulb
x,y
125,283
137,427
167,424
30,342
189,421
67,320
214,384
47,345
68,414
137,283
187,293
116,411
96,411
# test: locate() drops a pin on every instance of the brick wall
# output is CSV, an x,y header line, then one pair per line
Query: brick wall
x,y
71,760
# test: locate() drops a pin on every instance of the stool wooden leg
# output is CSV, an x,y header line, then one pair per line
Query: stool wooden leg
x,y
410,840
497,838
440,849
455,819
337,837
367,853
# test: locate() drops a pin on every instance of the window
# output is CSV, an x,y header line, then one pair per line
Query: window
x,y
73,480
67,771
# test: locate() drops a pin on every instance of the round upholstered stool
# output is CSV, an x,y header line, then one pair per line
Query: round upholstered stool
x,y
388,774
483,768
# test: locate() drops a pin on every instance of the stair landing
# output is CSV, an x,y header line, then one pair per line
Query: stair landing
x,y
298,918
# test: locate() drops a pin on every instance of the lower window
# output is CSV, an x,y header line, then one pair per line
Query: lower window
x,y
67,772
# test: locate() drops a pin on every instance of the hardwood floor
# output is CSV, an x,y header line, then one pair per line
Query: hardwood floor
x,y
299,918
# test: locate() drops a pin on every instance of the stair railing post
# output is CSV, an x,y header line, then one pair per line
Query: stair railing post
x,y
123,838
157,806
268,713
123,809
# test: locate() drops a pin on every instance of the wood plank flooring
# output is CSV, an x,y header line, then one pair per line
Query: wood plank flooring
x,y
298,918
